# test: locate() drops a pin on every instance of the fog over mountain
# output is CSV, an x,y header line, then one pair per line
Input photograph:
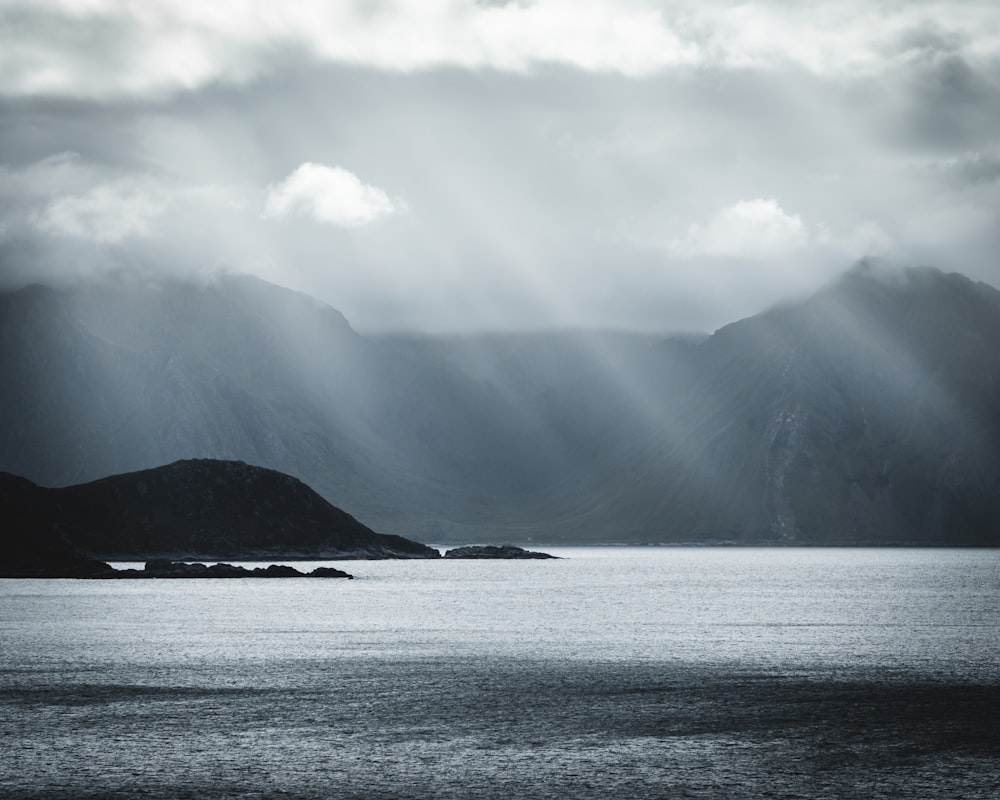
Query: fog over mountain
x,y
867,413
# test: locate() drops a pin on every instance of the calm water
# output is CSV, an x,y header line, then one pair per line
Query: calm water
x,y
647,672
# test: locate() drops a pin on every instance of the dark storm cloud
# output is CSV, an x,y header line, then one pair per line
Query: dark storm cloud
x,y
484,174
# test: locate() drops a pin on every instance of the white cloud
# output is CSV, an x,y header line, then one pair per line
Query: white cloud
x,y
761,230
108,213
100,48
65,195
328,194
750,229
166,45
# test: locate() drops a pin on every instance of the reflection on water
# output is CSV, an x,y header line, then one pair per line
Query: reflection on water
x,y
645,671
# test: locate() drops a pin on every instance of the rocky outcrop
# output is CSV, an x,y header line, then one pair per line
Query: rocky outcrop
x,y
494,551
328,572
164,568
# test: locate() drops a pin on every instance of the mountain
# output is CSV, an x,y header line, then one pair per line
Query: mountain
x,y
115,377
198,509
868,413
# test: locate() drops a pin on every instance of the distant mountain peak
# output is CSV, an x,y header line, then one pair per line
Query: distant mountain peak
x,y
872,272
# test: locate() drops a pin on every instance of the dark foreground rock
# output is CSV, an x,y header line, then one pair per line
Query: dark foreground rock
x,y
494,551
51,558
164,568
32,547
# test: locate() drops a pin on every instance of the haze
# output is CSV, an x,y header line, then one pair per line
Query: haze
x,y
452,166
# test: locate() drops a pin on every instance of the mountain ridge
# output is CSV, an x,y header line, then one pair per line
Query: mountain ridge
x,y
865,414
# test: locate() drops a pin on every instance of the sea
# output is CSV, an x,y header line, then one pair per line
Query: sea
x,y
630,672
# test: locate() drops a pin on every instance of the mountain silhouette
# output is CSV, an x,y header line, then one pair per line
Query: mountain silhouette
x,y
196,509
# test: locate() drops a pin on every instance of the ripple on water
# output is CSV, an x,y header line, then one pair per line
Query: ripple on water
x,y
649,673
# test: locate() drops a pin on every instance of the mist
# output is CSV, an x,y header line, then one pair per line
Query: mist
x,y
656,171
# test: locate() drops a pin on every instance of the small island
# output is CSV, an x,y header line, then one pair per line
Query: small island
x,y
494,551
165,568
192,510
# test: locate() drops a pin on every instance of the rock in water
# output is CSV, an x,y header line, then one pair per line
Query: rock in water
x,y
328,572
494,551
165,568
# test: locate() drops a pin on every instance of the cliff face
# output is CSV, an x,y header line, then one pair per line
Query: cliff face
x,y
868,413
200,509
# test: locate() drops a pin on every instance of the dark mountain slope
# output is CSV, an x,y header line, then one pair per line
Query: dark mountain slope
x,y
105,379
868,414
200,509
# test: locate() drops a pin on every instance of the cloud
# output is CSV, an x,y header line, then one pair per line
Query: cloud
x,y
108,213
101,48
98,49
566,164
67,196
328,194
761,231
970,168
64,195
69,218
64,172
747,229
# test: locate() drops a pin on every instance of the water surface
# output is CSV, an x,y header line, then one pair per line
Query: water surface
x,y
650,672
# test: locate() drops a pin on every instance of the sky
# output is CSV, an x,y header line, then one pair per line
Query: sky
x,y
455,166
